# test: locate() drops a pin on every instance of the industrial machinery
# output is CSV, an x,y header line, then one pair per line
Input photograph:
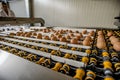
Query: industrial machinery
x,y
83,54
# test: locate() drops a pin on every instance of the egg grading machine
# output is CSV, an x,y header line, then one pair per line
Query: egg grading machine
x,y
10,44
88,62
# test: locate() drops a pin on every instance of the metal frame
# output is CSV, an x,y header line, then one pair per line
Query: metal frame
x,y
84,27
18,68
18,20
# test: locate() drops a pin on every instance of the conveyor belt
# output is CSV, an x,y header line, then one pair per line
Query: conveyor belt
x,y
56,42
16,68
49,47
55,58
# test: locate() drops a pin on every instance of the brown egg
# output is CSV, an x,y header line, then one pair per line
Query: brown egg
x,y
67,30
59,36
61,32
54,38
112,37
34,34
101,44
46,38
100,39
12,34
100,33
88,38
114,40
71,34
64,31
91,33
40,29
18,33
27,35
48,30
67,37
74,41
39,36
76,31
63,39
70,31
84,31
116,46
23,34
86,43
100,36
44,30
80,34
78,37
109,34
57,33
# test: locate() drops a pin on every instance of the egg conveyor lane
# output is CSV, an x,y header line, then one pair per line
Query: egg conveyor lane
x,y
49,47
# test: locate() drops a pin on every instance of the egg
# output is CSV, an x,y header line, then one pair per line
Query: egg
x,y
112,37
101,44
88,38
76,31
40,29
12,34
59,36
54,38
86,43
61,32
18,33
63,39
91,33
48,30
74,41
27,35
84,31
80,34
52,35
116,46
100,33
78,37
71,35
34,34
23,34
70,31
44,30
57,33
39,36
30,33
67,30
114,40
67,37
46,37
100,38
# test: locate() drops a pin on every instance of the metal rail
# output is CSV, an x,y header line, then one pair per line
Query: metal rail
x,y
19,21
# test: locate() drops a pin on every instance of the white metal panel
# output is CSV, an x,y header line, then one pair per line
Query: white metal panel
x,y
20,8
98,13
